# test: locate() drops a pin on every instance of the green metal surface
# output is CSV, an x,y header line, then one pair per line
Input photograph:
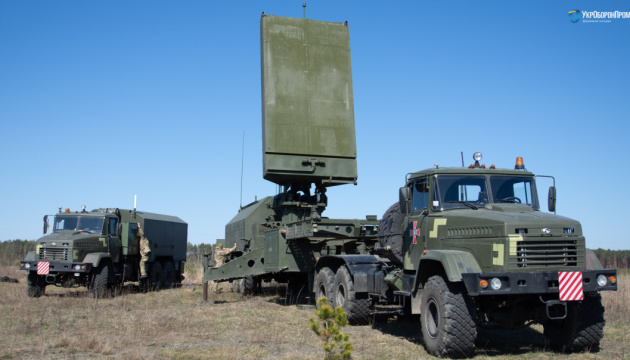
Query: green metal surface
x,y
454,262
249,264
499,236
168,235
130,242
307,101
96,258
243,229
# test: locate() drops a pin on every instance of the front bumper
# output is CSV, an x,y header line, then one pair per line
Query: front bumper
x,y
539,282
55,267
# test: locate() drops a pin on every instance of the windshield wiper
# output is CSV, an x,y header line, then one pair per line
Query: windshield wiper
x,y
467,203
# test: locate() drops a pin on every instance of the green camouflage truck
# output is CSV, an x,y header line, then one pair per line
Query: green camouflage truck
x,y
468,247
462,247
100,249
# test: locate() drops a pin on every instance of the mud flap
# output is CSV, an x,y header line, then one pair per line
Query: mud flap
x,y
416,300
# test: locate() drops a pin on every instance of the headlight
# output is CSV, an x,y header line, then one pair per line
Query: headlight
x,y
495,283
602,280
27,266
77,267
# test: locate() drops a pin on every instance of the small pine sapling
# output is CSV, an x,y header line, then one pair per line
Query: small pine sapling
x,y
337,345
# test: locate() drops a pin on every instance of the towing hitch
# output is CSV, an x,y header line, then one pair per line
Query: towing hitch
x,y
556,309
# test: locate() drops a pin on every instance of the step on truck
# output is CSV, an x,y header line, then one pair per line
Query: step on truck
x,y
100,249
462,247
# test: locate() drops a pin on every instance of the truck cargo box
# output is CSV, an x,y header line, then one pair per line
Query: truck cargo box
x,y
167,234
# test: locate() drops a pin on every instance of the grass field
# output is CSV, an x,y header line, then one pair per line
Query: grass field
x,y
176,324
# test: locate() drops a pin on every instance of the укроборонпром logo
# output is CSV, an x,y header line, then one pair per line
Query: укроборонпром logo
x,y
575,16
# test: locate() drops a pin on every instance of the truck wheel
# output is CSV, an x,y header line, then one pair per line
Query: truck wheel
x,y
156,276
581,330
389,233
357,310
35,285
448,328
250,286
236,286
100,282
324,285
168,275
246,286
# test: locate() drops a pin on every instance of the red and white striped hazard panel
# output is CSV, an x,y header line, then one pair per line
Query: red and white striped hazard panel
x,y
570,286
42,268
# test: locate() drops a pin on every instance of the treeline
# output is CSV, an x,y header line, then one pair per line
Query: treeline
x,y
195,252
614,259
12,251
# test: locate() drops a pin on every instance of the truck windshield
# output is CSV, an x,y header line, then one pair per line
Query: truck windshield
x,y
462,191
90,224
514,189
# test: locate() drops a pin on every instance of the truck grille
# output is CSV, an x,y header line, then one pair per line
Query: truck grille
x,y
548,253
53,254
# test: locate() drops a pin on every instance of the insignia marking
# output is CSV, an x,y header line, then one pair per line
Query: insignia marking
x,y
437,222
514,239
499,248
415,232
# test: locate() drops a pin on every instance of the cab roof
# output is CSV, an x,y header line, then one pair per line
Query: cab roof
x,y
468,171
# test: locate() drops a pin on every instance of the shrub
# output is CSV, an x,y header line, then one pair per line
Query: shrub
x,y
337,346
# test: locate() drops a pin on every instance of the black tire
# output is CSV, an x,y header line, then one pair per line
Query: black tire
x,y
358,311
581,330
324,285
155,277
390,234
168,275
249,286
35,285
236,286
448,329
100,282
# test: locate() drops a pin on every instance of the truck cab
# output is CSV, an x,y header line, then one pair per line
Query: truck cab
x,y
476,238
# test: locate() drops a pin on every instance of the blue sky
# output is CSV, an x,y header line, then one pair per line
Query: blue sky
x,y
103,100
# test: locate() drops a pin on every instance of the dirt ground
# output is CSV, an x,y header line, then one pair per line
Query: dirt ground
x,y
177,324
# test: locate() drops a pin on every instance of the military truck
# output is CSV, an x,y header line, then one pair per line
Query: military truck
x,y
470,246
462,247
100,249
309,145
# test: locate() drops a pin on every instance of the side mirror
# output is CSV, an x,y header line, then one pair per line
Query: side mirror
x,y
551,199
403,199
118,229
45,224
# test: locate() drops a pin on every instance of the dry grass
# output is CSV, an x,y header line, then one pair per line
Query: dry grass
x,y
176,324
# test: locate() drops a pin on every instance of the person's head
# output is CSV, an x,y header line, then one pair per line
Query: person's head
x,y
220,246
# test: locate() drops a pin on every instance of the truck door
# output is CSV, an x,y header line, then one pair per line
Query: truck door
x,y
130,239
416,228
114,239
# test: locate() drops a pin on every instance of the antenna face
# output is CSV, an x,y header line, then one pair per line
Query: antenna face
x,y
308,104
